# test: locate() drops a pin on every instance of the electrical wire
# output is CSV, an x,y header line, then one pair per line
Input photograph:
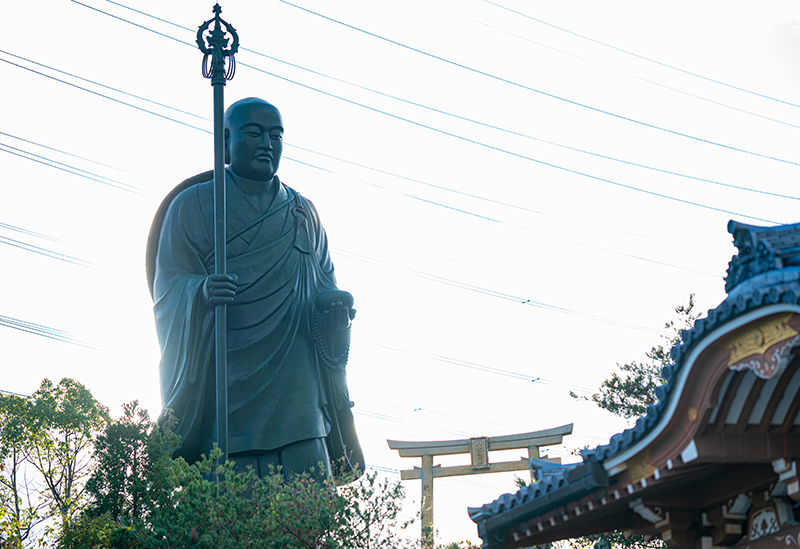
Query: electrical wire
x,y
46,252
60,151
694,96
511,153
486,145
41,330
507,373
38,235
498,149
12,393
540,92
62,168
507,224
506,297
640,56
139,97
490,370
104,96
463,118
71,169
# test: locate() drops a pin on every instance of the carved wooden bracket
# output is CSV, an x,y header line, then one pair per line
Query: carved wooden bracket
x,y
674,529
728,521
787,473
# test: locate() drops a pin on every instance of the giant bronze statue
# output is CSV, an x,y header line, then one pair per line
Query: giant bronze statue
x,y
288,327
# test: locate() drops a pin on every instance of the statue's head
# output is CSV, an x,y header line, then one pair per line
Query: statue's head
x,y
253,139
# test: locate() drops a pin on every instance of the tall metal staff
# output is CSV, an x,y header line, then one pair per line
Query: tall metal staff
x,y
217,44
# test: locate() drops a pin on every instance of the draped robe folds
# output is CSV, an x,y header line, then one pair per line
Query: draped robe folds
x,y
279,392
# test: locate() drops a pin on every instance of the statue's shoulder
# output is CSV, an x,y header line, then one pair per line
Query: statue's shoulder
x,y
186,188
301,200
192,195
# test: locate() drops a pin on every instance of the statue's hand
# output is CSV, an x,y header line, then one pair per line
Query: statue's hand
x,y
337,317
219,289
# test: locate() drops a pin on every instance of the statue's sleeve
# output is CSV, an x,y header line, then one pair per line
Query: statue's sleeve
x,y
184,323
321,245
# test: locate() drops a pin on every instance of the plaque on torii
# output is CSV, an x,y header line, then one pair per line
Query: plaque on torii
x,y
478,448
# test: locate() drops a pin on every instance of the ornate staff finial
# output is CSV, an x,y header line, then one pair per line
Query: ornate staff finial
x,y
218,43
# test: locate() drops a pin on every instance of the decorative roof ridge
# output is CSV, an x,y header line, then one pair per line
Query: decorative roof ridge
x,y
761,249
768,288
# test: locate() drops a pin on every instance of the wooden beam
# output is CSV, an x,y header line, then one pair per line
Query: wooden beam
x,y
546,437
747,409
459,470
752,447
777,395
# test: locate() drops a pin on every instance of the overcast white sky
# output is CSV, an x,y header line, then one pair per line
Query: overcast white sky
x,y
513,191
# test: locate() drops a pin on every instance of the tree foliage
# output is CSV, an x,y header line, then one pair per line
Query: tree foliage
x,y
45,447
141,498
618,538
630,391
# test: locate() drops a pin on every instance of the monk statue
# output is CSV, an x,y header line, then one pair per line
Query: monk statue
x,y
288,324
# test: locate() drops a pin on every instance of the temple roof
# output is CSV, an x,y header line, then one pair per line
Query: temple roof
x,y
763,282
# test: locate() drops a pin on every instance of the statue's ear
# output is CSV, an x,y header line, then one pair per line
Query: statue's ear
x,y
227,135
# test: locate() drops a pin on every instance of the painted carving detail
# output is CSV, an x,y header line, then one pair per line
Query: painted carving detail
x,y
768,366
763,523
788,539
764,348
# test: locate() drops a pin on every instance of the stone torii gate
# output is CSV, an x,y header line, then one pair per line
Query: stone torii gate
x,y
478,448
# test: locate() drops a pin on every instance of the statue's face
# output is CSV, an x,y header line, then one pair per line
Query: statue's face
x,y
255,141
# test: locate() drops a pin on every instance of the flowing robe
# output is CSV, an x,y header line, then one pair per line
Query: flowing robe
x,y
278,390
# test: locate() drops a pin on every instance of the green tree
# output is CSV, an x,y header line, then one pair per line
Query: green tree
x,y
141,499
132,462
22,508
45,447
63,422
629,392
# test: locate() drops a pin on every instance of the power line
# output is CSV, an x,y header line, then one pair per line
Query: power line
x,y
12,393
493,220
546,141
41,330
483,124
511,132
64,152
419,124
450,134
63,169
107,87
707,100
744,111
46,252
104,96
421,182
507,373
641,56
457,209
498,221
37,235
511,153
467,119
504,296
529,88
383,402
71,169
